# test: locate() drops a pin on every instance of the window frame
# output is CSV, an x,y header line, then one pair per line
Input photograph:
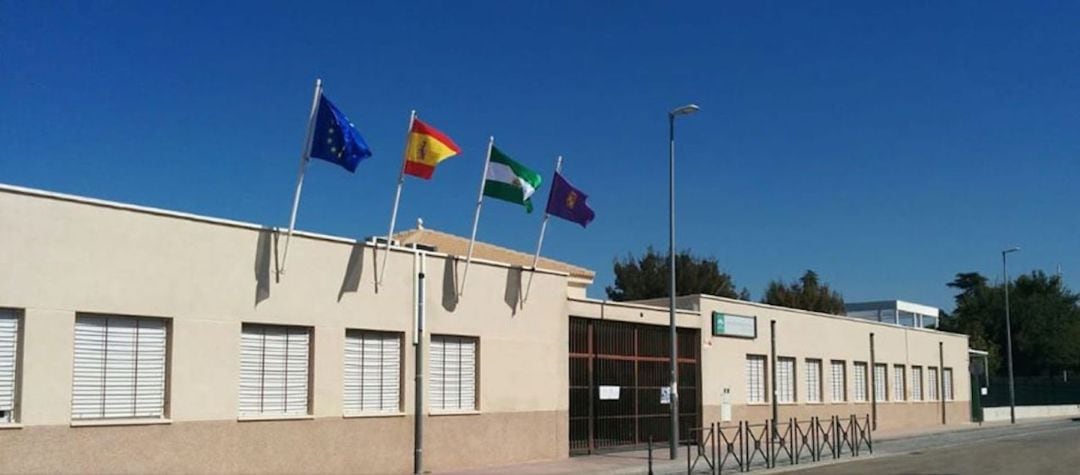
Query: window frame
x,y
899,372
262,414
17,316
476,376
790,382
947,392
933,388
166,368
917,390
860,377
814,393
881,394
764,379
842,364
400,374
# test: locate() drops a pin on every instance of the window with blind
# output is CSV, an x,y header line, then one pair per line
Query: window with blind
x,y
838,380
860,382
916,383
948,387
932,384
120,367
755,378
9,347
274,362
813,380
785,380
372,372
880,387
899,388
453,373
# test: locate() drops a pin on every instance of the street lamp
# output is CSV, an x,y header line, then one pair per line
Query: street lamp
x,y
684,110
1008,333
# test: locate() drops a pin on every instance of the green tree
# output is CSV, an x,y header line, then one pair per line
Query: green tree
x,y
646,277
1045,321
807,293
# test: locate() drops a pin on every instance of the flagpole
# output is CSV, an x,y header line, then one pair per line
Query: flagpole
x,y
303,169
397,201
540,242
476,216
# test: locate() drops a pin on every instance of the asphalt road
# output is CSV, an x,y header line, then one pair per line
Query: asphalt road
x,y
1043,449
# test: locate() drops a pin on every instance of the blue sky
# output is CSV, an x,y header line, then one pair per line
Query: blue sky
x,y
886,145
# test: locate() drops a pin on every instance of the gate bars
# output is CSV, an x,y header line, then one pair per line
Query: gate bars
x,y
747,445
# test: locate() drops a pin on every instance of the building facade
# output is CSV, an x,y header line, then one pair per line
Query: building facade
x,y
141,340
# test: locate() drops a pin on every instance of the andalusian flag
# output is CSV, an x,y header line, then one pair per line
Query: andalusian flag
x,y
425,148
510,181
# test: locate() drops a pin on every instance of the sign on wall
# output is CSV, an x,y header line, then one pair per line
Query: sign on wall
x,y
737,326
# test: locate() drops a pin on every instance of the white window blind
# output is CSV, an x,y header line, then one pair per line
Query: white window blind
x,y
899,388
948,388
119,369
813,380
9,345
372,372
785,380
838,381
453,373
880,379
860,382
755,378
932,383
916,383
274,363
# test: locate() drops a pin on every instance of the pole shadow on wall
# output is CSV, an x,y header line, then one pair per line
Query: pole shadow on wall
x,y
354,270
512,294
449,284
263,252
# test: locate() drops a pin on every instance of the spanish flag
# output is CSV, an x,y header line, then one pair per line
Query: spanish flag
x,y
425,148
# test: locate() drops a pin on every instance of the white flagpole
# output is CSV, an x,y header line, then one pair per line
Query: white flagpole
x,y
397,200
476,216
303,169
540,242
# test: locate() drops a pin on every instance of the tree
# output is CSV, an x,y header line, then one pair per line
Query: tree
x,y
646,277
807,293
1045,321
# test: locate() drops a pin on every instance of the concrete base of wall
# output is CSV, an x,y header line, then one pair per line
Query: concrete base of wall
x,y
991,414
325,445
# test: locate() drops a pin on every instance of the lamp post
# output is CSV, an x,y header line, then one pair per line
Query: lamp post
x,y
684,110
1008,334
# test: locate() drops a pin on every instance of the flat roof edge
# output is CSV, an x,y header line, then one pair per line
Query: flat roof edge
x,y
20,190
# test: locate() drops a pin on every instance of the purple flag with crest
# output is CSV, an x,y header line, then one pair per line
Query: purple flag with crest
x,y
568,202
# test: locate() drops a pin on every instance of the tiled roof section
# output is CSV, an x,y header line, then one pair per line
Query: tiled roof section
x,y
459,246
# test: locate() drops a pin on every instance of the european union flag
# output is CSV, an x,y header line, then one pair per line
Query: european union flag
x,y
335,139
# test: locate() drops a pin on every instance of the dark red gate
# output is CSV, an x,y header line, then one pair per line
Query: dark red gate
x,y
635,358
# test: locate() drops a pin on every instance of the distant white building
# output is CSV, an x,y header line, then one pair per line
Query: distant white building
x,y
897,312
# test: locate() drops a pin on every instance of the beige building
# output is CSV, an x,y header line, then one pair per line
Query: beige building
x,y
142,340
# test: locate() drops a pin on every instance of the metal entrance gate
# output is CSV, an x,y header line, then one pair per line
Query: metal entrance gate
x,y
635,359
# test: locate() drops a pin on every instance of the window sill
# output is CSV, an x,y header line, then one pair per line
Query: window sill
x,y
814,403
454,413
369,415
120,422
10,425
758,404
275,417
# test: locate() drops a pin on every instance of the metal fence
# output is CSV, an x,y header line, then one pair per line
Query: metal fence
x,y
745,445
1033,391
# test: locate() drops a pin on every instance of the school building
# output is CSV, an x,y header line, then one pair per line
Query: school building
x,y
138,340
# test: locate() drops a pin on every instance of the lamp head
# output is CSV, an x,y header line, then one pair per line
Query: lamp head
x,y
685,110
1011,250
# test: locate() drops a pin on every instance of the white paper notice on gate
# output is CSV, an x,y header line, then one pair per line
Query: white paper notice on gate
x,y
609,393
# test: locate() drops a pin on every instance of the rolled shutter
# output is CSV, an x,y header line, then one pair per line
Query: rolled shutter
x,y
453,373
9,344
273,370
119,369
372,372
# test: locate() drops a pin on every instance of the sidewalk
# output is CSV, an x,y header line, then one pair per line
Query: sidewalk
x,y
886,442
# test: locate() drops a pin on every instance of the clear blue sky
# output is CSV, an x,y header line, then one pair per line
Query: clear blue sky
x,y
886,145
